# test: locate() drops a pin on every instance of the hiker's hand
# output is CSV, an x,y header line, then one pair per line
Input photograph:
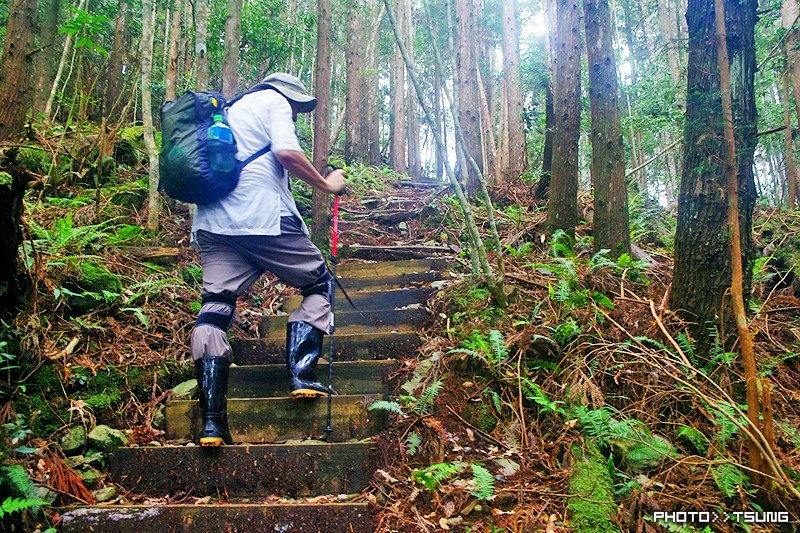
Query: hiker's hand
x,y
336,181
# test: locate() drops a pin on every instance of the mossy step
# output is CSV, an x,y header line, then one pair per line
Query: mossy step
x,y
270,420
371,301
347,347
384,283
231,518
350,322
349,377
390,268
305,469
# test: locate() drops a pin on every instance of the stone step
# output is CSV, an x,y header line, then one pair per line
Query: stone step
x,y
370,301
288,470
350,347
390,268
230,518
270,420
349,377
273,328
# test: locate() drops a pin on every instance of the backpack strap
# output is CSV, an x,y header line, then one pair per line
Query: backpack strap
x,y
254,89
256,155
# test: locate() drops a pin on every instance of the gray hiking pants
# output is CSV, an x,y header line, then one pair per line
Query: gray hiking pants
x,y
231,264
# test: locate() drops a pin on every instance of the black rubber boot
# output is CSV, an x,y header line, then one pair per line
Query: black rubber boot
x,y
303,350
212,385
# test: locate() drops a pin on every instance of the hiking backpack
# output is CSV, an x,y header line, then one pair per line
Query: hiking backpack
x,y
186,173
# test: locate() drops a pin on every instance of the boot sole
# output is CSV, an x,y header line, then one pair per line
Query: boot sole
x,y
308,393
211,441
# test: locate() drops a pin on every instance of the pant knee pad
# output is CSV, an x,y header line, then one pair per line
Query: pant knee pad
x,y
217,311
322,286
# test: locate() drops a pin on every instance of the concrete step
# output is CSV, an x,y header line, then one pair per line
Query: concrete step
x,y
293,470
371,301
273,328
390,268
270,420
347,347
230,518
349,377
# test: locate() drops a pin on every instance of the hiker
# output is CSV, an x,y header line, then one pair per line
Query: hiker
x,y
257,228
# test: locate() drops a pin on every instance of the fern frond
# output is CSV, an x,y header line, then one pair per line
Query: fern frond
x,y
499,349
423,405
647,341
434,475
484,483
384,405
13,505
686,345
728,477
650,452
694,436
17,477
413,442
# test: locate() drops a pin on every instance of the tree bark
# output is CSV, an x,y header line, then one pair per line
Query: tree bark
x,y
670,31
43,62
467,88
322,84
398,147
116,61
16,91
702,249
233,37
515,140
48,109
174,52
372,88
154,204
200,44
562,205
356,147
790,12
412,136
611,228
788,143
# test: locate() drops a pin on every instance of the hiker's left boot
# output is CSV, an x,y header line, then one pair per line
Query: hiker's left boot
x,y
212,385
303,350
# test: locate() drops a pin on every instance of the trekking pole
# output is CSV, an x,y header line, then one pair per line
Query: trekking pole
x,y
334,260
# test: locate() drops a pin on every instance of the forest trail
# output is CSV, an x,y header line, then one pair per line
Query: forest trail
x,y
284,475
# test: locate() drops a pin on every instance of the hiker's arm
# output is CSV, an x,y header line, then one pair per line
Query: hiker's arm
x,y
298,165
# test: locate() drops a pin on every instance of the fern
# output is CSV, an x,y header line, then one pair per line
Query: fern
x,y
13,505
498,405
484,483
728,477
17,478
650,452
432,476
727,428
423,405
383,405
647,341
535,393
499,349
413,442
686,345
694,436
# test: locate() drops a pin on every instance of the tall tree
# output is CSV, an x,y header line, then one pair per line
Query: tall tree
x,y
788,142
702,271
467,89
322,87
515,137
233,37
356,146
174,51
611,228
43,62
116,60
16,91
148,23
562,204
790,13
397,150
414,155
200,44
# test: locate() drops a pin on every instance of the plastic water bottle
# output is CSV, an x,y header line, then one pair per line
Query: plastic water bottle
x,y
222,152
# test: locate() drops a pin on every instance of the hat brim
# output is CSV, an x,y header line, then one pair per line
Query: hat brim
x,y
305,103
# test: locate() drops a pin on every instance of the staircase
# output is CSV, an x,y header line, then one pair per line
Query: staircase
x,y
283,476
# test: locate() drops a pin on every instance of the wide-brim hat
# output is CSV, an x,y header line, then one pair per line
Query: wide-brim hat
x,y
293,89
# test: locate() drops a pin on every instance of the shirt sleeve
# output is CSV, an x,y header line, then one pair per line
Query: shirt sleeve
x,y
281,127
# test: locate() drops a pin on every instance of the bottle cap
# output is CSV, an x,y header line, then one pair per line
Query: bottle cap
x,y
217,118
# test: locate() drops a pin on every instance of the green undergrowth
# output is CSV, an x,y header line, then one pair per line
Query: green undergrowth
x,y
591,505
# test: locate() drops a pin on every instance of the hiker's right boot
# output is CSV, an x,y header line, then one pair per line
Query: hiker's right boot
x,y
212,385
303,350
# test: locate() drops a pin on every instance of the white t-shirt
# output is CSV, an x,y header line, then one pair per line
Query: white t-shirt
x,y
262,195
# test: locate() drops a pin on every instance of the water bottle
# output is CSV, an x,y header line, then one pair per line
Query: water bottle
x,y
221,146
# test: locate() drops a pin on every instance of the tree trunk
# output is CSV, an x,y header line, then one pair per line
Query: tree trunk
x,y
398,146
322,85
233,37
116,60
515,140
790,12
154,204
43,62
373,89
200,46
355,142
467,88
414,156
670,31
611,228
702,269
788,143
16,92
174,52
438,117
562,205
489,148
48,109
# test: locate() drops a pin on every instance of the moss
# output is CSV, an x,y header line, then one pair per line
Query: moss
x,y
592,508
92,285
6,179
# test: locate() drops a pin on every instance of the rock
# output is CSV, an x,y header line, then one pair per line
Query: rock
x,y
105,494
77,461
107,438
74,440
44,494
186,390
90,477
91,285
